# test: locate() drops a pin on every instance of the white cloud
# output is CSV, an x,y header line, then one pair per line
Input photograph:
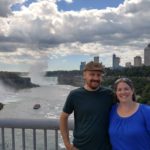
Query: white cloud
x,y
69,1
41,30
5,6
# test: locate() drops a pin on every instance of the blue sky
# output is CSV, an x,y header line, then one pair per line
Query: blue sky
x,y
62,33
77,4
88,4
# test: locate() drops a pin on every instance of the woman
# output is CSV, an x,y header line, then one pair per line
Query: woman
x,y
129,121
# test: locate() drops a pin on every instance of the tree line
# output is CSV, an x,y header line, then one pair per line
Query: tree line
x,y
139,75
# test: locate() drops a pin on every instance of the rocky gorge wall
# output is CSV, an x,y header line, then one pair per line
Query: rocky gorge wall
x,y
13,80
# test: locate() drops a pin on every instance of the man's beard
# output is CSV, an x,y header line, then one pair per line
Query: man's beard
x,y
94,87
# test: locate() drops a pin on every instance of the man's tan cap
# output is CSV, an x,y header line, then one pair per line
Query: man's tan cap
x,y
94,66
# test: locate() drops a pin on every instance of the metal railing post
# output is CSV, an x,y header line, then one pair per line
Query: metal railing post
x,y
23,139
34,124
13,139
3,139
34,139
56,139
45,139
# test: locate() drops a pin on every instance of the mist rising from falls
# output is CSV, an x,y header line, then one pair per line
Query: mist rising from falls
x,y
37,74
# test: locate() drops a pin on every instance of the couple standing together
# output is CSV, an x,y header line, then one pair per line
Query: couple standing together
x,y
100,123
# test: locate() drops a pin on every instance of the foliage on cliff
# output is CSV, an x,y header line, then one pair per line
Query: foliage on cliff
x,y
139,75
143,71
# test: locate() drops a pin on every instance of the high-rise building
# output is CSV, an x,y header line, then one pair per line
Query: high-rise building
x,y
137,61
147,55
82,65
96,59
116,61
128,64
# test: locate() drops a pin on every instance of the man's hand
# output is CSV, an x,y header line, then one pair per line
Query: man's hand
x,y
71,147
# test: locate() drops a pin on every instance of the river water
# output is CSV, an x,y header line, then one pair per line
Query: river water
x,y
19,104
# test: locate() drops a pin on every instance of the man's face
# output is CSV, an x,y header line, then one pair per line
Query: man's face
x,y
92,79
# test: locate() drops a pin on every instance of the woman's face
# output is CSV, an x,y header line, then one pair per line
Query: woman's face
x,y
124,92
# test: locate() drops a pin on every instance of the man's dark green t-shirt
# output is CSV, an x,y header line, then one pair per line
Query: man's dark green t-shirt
x,y
91,115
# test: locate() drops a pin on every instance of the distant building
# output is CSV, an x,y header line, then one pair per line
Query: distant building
x,y
137,61
116,62
82,65
96,59
147,55
128,64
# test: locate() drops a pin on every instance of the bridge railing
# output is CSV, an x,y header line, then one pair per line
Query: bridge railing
x,y
30,127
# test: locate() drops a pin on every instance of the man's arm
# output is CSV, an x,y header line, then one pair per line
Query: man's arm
x,y
65,130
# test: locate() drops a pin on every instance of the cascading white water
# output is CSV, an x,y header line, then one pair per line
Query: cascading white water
x,y
19,104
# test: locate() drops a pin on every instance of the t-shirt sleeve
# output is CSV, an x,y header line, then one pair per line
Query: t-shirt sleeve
x,y
68,106
147,117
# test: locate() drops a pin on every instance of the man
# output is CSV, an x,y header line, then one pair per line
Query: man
x,y
91,105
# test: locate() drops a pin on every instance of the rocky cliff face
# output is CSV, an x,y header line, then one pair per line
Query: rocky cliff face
x,y
71,80
15,81
74,77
